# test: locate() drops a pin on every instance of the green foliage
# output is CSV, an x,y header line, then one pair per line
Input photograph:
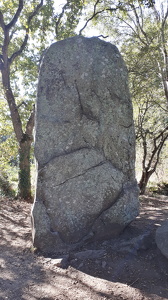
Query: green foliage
x,y
162,188
66,22
8,149
140,31
5,187
7,137
32,26
135,26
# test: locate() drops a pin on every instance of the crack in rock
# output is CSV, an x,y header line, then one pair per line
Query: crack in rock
x,y
76,176
41,168
89,115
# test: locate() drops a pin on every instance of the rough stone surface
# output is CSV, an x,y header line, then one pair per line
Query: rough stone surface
x,y
126,245
84,146
162,238
89,254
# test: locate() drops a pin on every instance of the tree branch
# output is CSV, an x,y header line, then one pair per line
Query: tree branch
x,y
16,120
23,102
103,36
157,148
165,18
30,124
138,23
93,15
131,27
2,23
18,52
12,33
158,153
22,47
34,13
16,16
165,54
60,17
1,62
161,133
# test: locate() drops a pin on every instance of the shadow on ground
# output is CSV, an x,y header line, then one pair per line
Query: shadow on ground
x,y
128,267
133,258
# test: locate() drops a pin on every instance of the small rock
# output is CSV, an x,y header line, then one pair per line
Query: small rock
x,y
81,265
140,242
60,262
104,264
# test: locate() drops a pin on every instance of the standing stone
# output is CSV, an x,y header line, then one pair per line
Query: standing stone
x,y
84,146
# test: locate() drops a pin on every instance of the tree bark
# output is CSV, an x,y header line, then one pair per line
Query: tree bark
x,y
24,187
144,180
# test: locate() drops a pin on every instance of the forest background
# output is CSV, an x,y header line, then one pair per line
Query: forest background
x,y
138,28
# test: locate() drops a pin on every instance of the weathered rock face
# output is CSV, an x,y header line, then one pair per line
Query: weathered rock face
x,y
162,238
85,146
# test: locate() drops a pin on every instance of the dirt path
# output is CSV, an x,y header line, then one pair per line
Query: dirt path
x,y
129,267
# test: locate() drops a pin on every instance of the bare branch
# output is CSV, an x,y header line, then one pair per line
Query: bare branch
x,y
103,36
135,32
138,23
60,17
158,153
157,15
23,102
93,16
158,104
16,16
161,133
142,17
157,148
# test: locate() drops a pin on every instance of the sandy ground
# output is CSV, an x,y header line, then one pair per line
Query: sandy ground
x,y
128,267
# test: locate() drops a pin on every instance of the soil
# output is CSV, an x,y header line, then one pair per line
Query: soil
x,y
128,267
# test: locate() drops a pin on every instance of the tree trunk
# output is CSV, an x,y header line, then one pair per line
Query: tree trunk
x,y
144,180
24,138
149,165
24,190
